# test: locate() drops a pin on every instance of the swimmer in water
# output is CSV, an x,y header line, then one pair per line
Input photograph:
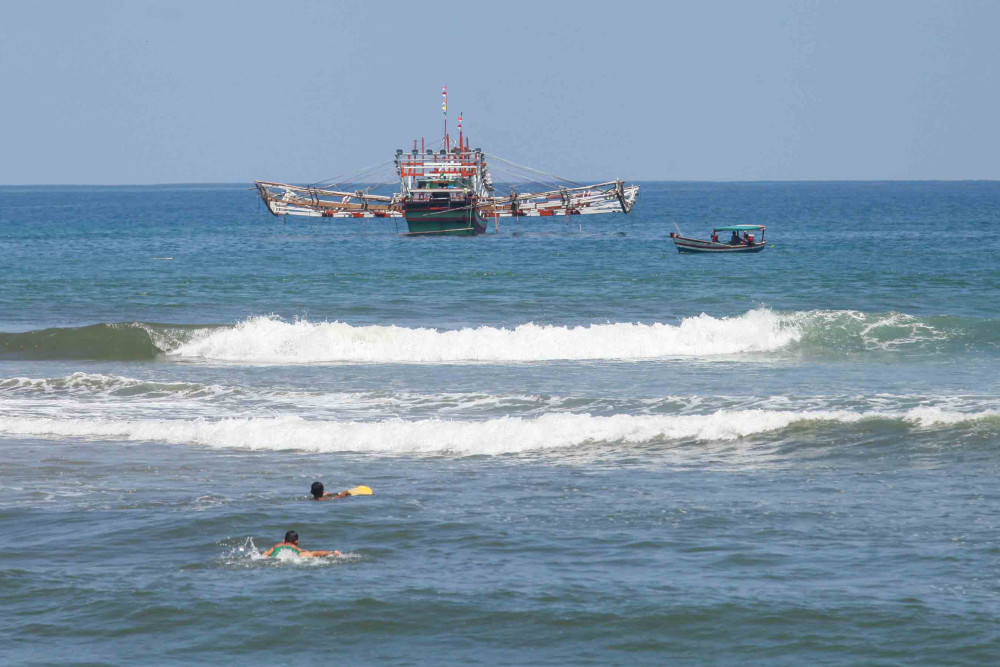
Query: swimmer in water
x,y
317,492
291,545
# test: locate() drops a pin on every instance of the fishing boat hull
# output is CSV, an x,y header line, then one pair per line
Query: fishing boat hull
x,y
687,245
431,219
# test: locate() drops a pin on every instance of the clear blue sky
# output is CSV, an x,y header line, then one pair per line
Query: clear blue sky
x,y
158,92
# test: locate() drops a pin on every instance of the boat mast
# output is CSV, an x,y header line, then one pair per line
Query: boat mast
x,y
444,108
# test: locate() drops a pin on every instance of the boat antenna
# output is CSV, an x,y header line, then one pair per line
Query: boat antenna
x,y
460,131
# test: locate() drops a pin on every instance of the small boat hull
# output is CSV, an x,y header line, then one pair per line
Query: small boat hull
x,y
698,246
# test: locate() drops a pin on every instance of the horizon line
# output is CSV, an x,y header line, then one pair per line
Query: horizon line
x,y
641,180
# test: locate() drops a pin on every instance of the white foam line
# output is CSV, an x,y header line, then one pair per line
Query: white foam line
x,y
495,436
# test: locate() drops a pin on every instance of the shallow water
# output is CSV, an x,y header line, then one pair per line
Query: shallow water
x,y
584,447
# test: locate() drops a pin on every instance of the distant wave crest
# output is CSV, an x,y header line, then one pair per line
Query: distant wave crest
x,y
463,437
272,340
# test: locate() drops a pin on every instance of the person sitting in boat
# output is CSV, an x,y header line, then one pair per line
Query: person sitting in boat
x,y
749,239
715,237
736,238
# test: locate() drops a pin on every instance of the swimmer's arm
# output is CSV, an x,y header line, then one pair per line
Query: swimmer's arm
x,y
267,554
334,496
319,554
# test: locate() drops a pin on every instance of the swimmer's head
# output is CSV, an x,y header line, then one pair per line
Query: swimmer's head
x,y
317,490
291,537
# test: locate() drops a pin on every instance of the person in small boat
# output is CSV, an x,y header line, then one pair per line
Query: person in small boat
x,y
735,240
715,237
291,545
749,239
318,493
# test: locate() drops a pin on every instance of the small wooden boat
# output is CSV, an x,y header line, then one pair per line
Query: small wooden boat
x,y
735,243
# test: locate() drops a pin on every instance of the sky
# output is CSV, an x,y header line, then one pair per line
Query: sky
x,y
137,92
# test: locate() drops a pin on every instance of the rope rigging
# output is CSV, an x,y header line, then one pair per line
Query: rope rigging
x,y
530,169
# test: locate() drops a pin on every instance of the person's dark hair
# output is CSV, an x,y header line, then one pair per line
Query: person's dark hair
x,y
291,537
317,490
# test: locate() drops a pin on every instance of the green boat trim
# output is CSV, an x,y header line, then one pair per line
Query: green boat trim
x,y
738,228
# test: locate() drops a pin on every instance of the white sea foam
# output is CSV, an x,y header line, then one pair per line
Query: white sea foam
x,y
462,437
272,340
100,384
87,381
856,330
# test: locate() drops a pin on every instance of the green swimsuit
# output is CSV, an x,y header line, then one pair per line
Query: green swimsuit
x,y
278,550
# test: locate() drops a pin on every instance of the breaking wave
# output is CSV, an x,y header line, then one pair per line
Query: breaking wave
x,y
123,341
462,437
271,340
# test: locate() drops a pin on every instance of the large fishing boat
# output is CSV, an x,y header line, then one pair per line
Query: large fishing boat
x,y
450,190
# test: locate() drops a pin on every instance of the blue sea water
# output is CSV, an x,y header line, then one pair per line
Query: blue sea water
x,y
584,447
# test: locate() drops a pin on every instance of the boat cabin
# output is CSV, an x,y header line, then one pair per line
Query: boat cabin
x,y
738,235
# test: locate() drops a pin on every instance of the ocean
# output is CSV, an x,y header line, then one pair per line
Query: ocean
x,y
584,447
